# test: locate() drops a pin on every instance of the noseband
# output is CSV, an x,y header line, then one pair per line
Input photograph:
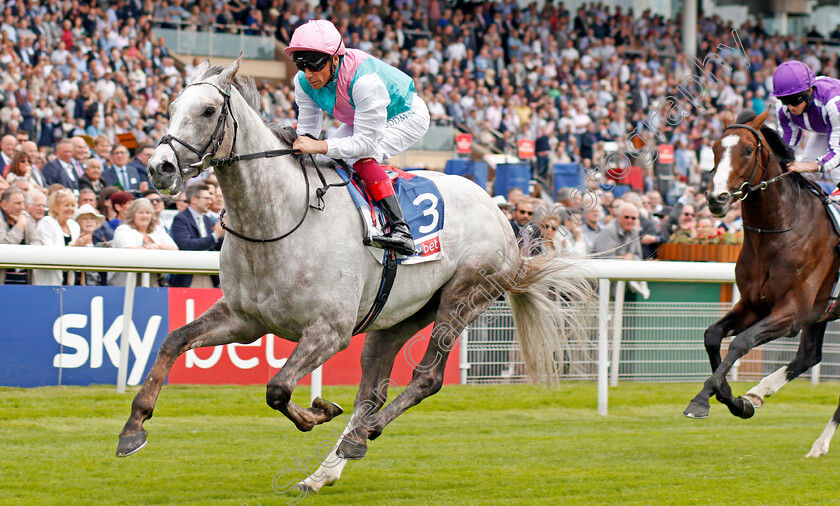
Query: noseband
x,y
205,157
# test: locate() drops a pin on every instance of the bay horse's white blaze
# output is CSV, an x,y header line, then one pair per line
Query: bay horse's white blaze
x,y
820,446
724,168
768,386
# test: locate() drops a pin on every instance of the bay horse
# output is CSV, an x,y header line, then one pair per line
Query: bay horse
x,y
317,283
786,270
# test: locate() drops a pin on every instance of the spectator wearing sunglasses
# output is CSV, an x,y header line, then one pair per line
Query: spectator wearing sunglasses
x,y
381,115
526,231
807,102
21,169
620,237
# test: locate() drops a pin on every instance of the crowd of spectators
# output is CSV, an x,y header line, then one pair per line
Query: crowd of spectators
x,y
78,75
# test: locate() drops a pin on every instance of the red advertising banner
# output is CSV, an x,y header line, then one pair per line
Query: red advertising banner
x,y
666,153
527,149
258,362
464,143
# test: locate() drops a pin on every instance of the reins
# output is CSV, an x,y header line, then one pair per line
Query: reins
x,y
207,159
745,190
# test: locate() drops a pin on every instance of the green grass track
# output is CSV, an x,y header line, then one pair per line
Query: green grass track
x,y
466,445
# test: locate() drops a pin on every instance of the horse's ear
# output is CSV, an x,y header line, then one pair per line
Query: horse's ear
x,y
759,120
201,69
229,73
727,119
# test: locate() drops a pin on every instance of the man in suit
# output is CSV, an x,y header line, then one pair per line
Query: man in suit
x,y
31,150
121,174
141,161
61,170
81,154
193,230
526,232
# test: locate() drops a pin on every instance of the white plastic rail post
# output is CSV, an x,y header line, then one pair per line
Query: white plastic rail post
x,y
317,382
603,360
128,309
618,318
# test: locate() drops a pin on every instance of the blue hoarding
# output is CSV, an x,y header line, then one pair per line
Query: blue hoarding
x,y
71,335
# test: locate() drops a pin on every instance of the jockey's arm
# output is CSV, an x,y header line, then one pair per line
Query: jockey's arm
x,y
310,117
370,119
831,160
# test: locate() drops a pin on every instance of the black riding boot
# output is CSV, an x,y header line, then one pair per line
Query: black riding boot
x,y
399,238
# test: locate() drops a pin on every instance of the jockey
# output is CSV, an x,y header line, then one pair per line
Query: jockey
x,y
381,115
807,102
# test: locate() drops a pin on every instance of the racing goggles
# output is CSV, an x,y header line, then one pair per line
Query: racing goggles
x,y
311,60
794,100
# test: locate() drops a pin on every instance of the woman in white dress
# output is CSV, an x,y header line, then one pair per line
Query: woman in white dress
x,y
59,229
141,230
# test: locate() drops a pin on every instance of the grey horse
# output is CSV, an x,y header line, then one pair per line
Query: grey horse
x,y
316,284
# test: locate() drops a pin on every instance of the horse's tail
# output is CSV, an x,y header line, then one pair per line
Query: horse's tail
x,y
551,302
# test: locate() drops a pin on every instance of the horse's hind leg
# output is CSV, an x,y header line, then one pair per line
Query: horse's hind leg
x,y
378,355
820,446
218,325
319,342
808,355
460,304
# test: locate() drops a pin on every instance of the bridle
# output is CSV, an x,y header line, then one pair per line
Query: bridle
x,y
745,189
207,159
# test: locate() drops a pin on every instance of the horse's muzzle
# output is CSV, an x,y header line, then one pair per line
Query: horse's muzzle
x,y
718,204
163,171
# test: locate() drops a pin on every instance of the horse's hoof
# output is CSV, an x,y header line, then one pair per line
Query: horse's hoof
x,y
303,487
756,401
330,409
744,410
131,444
351,450
696,410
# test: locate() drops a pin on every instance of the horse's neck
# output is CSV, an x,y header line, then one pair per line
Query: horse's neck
x,y
263,197
775,207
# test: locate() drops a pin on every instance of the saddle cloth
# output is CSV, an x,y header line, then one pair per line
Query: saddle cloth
x,y
422,206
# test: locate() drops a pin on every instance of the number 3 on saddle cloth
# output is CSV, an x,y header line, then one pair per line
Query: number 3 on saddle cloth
x,y
422,206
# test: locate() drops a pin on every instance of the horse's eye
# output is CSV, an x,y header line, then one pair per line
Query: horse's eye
x,y
748,150
209,112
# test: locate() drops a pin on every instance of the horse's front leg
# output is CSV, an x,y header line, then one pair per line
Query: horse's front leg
x,y
319,342
218,325
738,319
775,325
808,355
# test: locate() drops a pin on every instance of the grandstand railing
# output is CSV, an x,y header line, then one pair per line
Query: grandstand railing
x,y
217,44
651,341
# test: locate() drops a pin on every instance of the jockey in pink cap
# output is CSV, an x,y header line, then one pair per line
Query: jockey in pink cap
x,y
808,102
381,115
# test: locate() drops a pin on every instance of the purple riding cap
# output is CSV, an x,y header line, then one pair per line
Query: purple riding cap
x,y
792,77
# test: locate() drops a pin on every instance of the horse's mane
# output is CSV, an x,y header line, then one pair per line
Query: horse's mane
x,y
248,89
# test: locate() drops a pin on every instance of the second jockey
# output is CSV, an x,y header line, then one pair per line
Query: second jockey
x,y
808,102
381,115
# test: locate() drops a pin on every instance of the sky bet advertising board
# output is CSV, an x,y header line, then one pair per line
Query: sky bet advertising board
x,y
72,335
